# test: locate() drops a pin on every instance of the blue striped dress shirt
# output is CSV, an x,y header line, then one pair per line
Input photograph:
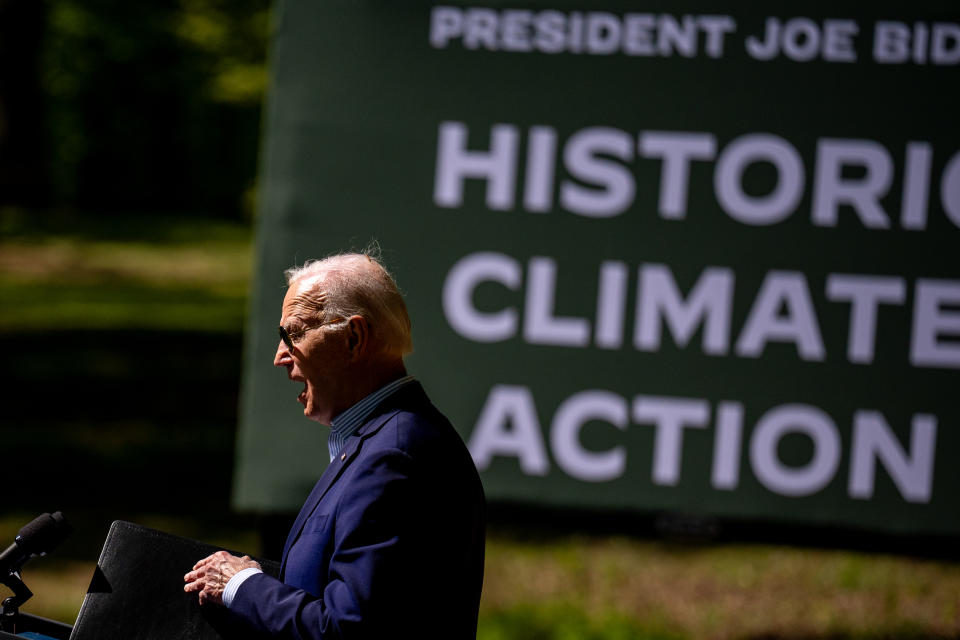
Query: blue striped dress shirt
x,y
346,424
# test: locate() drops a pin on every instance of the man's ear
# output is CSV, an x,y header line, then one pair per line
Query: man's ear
x,y
358,336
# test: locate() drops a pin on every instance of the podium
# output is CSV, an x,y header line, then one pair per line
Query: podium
x,y
136,593
36,626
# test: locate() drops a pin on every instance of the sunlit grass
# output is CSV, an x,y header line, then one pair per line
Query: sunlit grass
x,y
60,272
730,591
49,303
58,589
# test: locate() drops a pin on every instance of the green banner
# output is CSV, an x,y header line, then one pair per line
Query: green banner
x,y
657,258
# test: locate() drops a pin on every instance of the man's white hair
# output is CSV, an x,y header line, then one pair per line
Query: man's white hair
x,y
357,284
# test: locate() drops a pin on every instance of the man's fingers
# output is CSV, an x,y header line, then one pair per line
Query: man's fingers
x,y
211,593
219,556
210,575
204,561
213,558
197,574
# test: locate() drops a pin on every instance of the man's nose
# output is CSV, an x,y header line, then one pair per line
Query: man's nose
x,y
282,358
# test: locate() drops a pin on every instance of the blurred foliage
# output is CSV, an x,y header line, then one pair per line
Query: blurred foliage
x,y
232,43
154,105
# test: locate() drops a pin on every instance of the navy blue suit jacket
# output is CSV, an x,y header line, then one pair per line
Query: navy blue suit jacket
x,y
389,544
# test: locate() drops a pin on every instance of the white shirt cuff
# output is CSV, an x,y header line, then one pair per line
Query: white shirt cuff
x,y
230,590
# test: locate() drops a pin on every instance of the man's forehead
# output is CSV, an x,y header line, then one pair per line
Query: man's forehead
x,y
303,297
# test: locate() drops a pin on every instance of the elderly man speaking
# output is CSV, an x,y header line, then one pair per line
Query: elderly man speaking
x,y
390,542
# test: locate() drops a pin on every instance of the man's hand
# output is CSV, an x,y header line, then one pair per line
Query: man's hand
x,y
211,575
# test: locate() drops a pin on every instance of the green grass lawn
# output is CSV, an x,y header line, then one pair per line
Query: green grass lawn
x,y
63,271
184,282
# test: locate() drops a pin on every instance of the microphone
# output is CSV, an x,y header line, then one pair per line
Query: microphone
x,y
37,538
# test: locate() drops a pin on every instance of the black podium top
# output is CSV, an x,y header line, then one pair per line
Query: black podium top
x,y
137,590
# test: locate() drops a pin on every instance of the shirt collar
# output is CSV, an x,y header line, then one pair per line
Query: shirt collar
x,y
346,424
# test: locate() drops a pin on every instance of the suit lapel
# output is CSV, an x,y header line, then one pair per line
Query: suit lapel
x,y
330,476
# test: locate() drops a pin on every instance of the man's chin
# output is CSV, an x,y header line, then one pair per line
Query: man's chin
x,y
312,413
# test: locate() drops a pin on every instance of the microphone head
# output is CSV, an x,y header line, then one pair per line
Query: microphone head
x,y
41,535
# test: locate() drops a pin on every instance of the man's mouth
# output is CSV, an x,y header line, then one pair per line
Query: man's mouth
x,y
302,398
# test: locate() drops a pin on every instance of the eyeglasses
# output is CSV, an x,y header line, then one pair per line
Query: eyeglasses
x,y
287,336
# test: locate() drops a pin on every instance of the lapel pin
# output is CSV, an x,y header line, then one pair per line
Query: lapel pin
x,y
343,456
